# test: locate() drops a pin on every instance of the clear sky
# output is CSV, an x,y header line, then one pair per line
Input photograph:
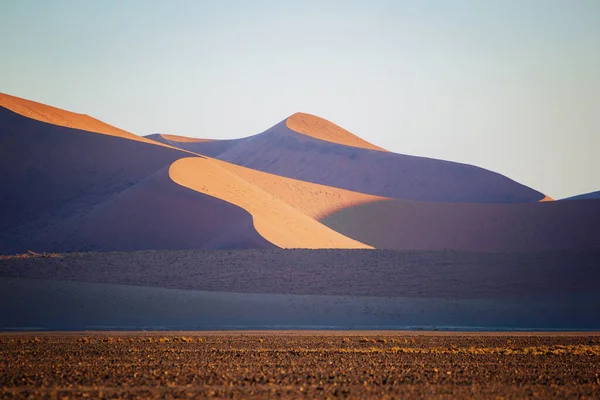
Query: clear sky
x,y
508,85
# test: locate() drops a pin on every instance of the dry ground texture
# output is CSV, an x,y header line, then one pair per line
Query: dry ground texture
x,y
299,365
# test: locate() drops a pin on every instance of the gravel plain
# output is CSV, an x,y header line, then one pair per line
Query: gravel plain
x,y
299,365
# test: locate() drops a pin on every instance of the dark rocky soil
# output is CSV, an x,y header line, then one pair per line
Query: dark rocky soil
x,y
299,365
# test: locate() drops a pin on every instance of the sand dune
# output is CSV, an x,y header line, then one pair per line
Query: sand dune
x,y
277,221
556,225
322,129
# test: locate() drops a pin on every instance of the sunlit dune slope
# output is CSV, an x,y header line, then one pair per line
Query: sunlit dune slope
x,y
322,129
277,221
530,227
60,117
546,198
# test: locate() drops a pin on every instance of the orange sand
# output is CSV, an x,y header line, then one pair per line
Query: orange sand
x,y
546,198
57,116
276,220
322,129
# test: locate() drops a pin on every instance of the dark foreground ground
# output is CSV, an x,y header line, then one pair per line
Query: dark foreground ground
x,y
299,365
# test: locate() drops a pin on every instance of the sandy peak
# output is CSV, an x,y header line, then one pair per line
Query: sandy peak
x,y
322,129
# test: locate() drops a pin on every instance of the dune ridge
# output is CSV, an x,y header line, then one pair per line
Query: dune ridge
x,y
57,116
275,220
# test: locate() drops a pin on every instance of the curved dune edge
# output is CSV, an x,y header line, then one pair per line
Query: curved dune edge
x,y
322,129
183,139
311,199
275,220
60,117
546,198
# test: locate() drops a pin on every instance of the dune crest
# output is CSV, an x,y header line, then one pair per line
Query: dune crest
x,y
57,116
322,129
274,219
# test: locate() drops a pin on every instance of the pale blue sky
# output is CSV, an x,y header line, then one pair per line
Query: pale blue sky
x,y
509,85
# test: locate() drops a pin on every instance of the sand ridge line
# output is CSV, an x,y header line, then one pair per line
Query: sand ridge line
x,y
57,116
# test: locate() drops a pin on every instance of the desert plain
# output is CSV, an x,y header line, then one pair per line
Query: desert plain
x,y
299,364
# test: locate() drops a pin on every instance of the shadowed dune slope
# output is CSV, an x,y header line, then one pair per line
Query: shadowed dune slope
x,y
285,152
585,196
277,221
58,180
156,214
206,147
405,225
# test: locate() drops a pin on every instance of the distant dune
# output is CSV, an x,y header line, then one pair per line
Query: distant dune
x,y
585,196
182,139
529,227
